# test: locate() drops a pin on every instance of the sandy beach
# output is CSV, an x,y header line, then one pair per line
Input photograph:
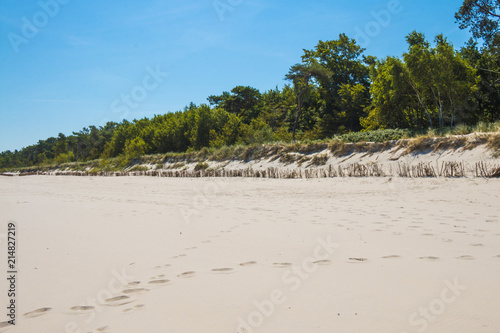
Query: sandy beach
x,y
149,254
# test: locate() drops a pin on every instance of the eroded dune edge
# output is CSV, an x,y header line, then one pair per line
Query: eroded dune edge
x,y
472,155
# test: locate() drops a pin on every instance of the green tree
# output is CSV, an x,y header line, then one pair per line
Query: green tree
x,y
482,17
486,100
392,105
440,79
353,101
345,60
61,145
135,148
300,75
242,101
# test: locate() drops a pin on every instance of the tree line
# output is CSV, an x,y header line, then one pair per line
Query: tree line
x,y
335,89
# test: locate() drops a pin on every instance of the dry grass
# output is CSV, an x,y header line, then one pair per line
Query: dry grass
x,y
340,148
493,142
320,159
286,158
426,144
405,170
418,145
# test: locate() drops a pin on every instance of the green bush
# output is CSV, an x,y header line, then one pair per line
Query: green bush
x,y
375,136
65,157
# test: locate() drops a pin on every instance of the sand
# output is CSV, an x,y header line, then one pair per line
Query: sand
x,y
144,254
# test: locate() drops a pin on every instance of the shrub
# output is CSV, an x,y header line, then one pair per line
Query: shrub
x,y
201,166
461,129
319,159
287,158
65,157
375,136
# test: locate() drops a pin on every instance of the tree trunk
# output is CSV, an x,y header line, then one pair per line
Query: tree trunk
x,y
299,111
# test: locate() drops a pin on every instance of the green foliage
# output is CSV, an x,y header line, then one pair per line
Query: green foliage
x,y
430,88
392,105
65,157
345,60
300,75
375,136
135,148
485,102
244,102
481,17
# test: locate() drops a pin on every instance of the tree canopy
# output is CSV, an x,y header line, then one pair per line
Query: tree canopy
x,y
482,17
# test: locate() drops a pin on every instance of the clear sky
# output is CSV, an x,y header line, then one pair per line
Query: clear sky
x,y
68,64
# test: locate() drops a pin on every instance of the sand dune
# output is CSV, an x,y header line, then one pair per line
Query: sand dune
x,y
140,254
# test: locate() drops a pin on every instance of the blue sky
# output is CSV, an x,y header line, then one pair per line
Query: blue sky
x,y
68,64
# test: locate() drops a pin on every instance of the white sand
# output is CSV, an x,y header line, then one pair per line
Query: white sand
x,y
410,255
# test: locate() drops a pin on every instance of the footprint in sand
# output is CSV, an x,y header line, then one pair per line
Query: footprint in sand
x,y
447,240
248,263
427,234
37,312
282,264
134,291
466,257
356,260
322,262
135,308
477,244
223,270
102,329
134,283
81,309
3,326
159,282
187,274
392,256
429,258
497,256
118,300
179,256
190,248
